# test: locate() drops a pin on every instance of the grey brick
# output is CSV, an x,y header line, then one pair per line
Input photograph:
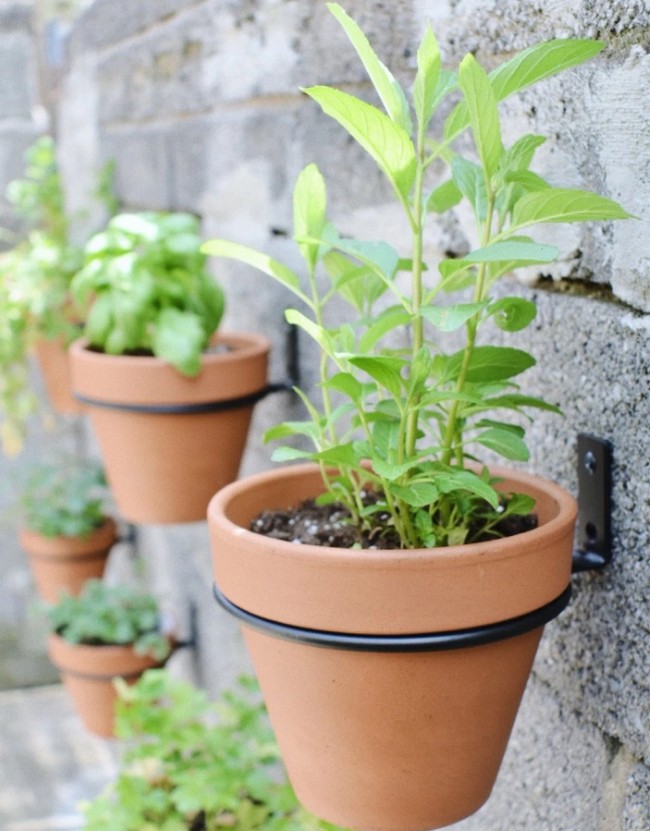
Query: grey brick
x,y
142,172
17,75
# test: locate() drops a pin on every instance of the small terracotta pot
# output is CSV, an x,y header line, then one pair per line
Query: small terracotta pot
x,y
407,735
88,672
168,441
66,563
53,361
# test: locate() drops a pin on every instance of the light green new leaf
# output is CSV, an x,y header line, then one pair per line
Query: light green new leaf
x,y
292,428
528,67
318,333
444,197
513,313
520,155
564,205
289,454
450,318
483,114
491,363
347,384
528,252
390,92
425,88
262,262
387,321
387,142
309,212
505,443
388,470
528,180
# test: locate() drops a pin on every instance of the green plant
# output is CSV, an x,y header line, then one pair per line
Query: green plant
x,y
147,290
35,277
104,615
63,498
418,415
194,765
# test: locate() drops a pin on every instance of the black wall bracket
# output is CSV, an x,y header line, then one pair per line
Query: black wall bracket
x,y
594,504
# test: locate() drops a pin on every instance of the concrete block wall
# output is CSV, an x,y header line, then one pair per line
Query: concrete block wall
x,y
197,101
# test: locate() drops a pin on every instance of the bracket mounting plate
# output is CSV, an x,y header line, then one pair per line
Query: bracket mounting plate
x,y
594,504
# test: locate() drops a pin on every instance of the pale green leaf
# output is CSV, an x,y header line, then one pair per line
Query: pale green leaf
x,y
416,494
467,480
470,181
513,313
318,333
450,318
347,384
388,143
482,110
564,205
505,443
309,212
386,371
385,322
425,87
444,197
528,252
389,91
491,363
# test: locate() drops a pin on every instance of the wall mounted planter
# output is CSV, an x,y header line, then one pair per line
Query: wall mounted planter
x,y
66,563
53,362
87,673
392,678
168,441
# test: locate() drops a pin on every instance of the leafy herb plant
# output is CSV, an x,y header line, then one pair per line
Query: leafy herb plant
x,y
103,615
35,279
192,765
64,498
418,415
145,289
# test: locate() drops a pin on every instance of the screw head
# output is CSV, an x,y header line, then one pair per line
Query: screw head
x,y
590,462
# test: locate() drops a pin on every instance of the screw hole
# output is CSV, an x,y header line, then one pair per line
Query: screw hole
x,y
591,531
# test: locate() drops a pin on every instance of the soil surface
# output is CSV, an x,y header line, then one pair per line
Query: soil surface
x,y
329,525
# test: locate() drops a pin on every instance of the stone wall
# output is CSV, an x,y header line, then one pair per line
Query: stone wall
x,y
197,101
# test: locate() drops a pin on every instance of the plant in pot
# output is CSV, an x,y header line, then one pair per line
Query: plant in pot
x,y
393,656
170,402
103,633
64,528
35,277
178,746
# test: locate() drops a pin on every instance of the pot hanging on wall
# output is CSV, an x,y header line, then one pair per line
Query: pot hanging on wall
x,y
54,364
64,564
87,673
392,678
169,441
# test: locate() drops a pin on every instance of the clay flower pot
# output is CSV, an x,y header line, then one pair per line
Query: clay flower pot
x,y
53,362
65,563
88,672
392,678
169,441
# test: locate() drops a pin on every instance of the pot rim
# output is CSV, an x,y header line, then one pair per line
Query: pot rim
x,y
501,547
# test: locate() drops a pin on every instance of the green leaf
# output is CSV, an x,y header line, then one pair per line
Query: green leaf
x,y
318,333
360,285
309,209
520,155
262,262
416,494
386,371
564,205
425,88
516,401
378,255
385,322
444,197
470,181
292,428
178,338
528,67
388,470
289,454
513,313
528,252
453,480
387,143
528,180
491,363
390,92
339,454
450,318
482,110
347,384
505,443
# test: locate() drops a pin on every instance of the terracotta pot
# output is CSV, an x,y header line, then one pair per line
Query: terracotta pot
x,y
65,563
392,678
168,441
52,359
88,672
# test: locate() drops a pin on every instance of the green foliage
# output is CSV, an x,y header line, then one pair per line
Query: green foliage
x,y
63,498
35,277
103,615
146,289
192,765
412,420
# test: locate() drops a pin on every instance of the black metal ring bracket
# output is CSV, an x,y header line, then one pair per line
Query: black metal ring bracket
x,y
431,642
